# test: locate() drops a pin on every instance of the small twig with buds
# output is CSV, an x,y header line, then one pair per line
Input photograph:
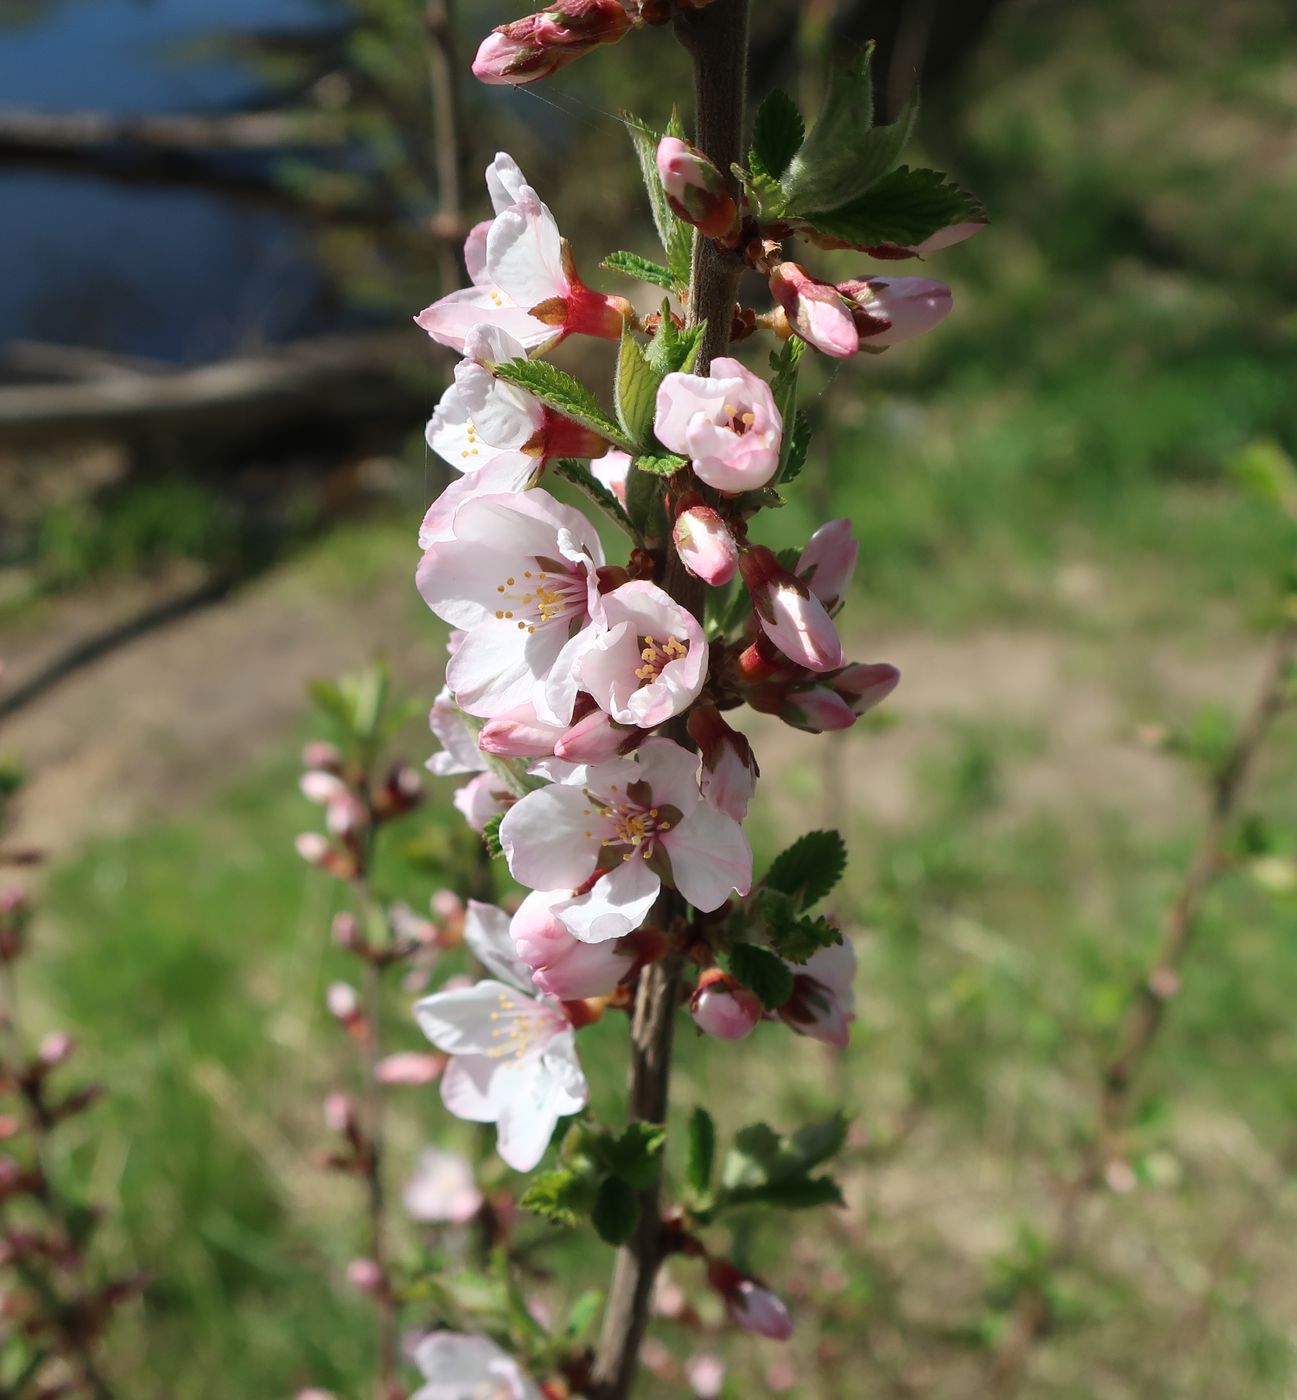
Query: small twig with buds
x,y
1147,1008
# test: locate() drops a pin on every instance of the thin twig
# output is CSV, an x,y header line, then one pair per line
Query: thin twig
x,y
1147,1008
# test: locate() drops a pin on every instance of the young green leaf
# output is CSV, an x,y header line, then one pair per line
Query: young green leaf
x,y
803,1194
809,868
796,444
763,972
582,1315
676,236
636,387
491,835
564,394
702,1151
666,465
904,207
777,134
795,937
616,1210
563,1197
671,349
642,269
636,1156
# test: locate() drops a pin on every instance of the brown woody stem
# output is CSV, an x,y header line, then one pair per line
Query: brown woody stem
x,y
716,38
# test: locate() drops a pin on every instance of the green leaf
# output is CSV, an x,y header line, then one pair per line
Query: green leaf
x,y
563,1197
564,394
491,835
674,350
666,465
777,133
581,475
809,868
1265,470
905,207
581,1317
845,152
636,388
763,972
644,497
616,1211
790,1195
760,1158
701,1155
795,937
814,1143
796,444
642,269
636,1156
676,236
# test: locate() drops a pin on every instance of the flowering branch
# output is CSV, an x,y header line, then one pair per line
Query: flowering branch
x,y
1146,1010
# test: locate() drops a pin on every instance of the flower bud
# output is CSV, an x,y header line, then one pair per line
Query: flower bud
x,y
888,310
562,966
729,769
323,755
313,848
346,932
340,1115
343,1003
722,1008
828,562
706,1375
695,189
409,1067
815,310
542,43
55,1049
863,686
705,545
594,738
518,734
789,613
367,1275
749,1302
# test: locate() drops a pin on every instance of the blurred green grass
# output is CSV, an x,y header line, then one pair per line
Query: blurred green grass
x,y
1051,462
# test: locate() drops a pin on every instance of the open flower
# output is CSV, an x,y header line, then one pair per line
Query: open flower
x,y
613,832
513,1054
442,1189
524,279
519,577
726,423
467,1366
647,660
495,433
823,1001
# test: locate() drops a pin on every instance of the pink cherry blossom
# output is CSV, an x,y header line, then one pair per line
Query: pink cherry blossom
x,y
513,1054
695,189
344,812
614,831
594,738
647,659
816,311
562,966
823,1001
518,733
408,1067
726,423
828,562
789,613
480,799
520,578
442,1189
463,1366
705,545
722,1008
538,45
525,282
888,310
706,1375
612,469
729,767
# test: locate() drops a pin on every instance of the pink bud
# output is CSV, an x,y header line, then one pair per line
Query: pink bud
x,y
340,1114
519,734
312,847
705,545
818,709
55,1048
729,768
864,686
562,966
749,1302
447,908
367,1275
343,1002
888,310
592,739
542,43
722,1008
695,189
706,1375
789,614
346,932
815,311
829,561
319,754
409,1067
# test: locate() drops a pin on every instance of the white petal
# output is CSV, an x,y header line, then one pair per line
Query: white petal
x,y
481,1019
524,252
710,857
545,841
486,931
504,182
497,666
466,1088
527,1121
457,1358
450,320
615,905
507,471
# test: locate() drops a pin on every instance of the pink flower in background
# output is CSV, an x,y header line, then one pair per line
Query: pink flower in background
x,y
729,767
442,1189
538,45
726,423
520,578
480,799
344,812
705,545
562,966
789,613
612,832
612,469
888,310
816,311
513,1054
823,1001
525,282
828,562
695,188
647,659
467,1366
706,1375
722,1008
749,1302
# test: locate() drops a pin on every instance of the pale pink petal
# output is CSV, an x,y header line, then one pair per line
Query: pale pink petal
x,y
545,841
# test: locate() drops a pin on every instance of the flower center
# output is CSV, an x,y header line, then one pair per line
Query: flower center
x,y
656,658
631,825
737,422
542,596
472,449
518,1035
